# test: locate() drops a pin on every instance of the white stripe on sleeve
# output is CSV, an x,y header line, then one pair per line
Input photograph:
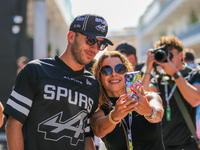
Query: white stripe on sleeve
x,y
22,98
18,107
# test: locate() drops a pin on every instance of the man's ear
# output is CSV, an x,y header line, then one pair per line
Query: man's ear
x,y
181,54
71,36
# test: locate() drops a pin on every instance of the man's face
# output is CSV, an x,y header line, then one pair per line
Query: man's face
x,y
82,52
177,57
132,59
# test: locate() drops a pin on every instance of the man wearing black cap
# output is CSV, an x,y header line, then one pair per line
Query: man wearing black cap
x,y
129,50
189,58
53,98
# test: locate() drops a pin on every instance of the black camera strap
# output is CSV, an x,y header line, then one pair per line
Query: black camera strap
x,y
181,105
186,115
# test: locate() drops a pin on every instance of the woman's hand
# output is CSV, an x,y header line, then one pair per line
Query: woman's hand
x,y
123,106
146,103
143,107
103,125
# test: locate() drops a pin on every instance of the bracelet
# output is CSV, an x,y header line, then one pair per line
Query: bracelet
x,y
147,72
153,114
111,120
175,72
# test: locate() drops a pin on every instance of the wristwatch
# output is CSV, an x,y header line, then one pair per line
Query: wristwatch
x,y
153,114
177,75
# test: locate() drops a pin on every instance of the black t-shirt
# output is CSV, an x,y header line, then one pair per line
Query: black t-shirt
x,y
145,135
138,67
53,103
176,131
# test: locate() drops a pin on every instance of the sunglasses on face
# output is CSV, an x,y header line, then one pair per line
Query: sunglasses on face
x,y
119,68
92,41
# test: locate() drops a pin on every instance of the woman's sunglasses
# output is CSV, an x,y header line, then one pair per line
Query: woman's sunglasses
x,y
92,40
107,70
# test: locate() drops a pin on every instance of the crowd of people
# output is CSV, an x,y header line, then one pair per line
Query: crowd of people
x,y
63,102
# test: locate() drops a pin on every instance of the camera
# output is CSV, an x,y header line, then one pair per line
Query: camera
x,y
161,53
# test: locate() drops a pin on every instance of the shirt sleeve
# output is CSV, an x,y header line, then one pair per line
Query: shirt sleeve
x,y
21,98
195,77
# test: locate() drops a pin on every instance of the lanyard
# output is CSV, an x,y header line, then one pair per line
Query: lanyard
x,y
129,133
128,129
168,98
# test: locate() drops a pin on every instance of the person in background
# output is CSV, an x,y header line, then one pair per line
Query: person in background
x,y
53,98
123,122
21,62
1,114
176,76
190,58
129,51
197,61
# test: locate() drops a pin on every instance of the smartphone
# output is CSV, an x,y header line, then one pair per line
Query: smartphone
x,y
133,79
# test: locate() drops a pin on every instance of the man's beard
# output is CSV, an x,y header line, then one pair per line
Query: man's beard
x,y
76,53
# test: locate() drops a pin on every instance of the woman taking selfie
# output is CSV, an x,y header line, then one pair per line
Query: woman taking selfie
x,y
124,123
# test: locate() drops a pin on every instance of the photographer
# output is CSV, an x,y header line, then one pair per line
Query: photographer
x,y
185,81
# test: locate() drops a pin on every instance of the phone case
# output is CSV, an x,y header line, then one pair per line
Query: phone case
x,y
133,79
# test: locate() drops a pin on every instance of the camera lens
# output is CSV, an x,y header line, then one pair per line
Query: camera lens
x,y
160,56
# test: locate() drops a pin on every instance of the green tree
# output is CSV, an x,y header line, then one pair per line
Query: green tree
x,y
193,17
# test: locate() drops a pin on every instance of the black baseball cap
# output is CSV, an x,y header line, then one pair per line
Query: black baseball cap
x,y
91,25
126,48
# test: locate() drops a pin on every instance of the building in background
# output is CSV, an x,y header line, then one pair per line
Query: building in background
x,y
127,34
48,22
170,17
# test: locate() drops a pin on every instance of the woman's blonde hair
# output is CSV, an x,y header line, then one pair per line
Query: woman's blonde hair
x,y
103,97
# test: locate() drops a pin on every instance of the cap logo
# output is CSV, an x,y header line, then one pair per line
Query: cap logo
x,y
101,28
80,19
101,20
77,26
